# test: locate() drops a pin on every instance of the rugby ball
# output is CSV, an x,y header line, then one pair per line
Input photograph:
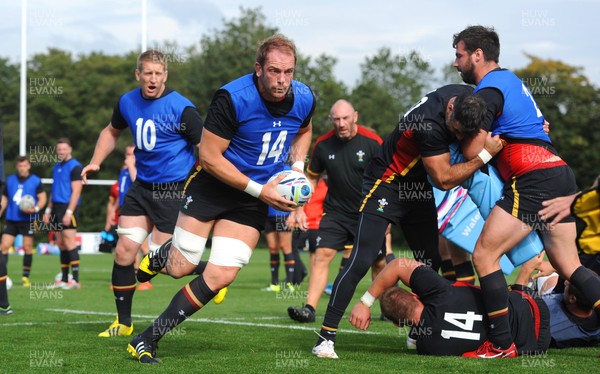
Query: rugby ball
x,y
27,202
294,187
9,283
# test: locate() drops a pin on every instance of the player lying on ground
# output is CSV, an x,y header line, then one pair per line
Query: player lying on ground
x,y
448,318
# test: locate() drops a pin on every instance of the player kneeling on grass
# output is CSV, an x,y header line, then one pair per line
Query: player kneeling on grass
x,y
448,318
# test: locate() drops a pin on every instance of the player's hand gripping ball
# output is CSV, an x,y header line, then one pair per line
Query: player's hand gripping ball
x,y
27,202
294,187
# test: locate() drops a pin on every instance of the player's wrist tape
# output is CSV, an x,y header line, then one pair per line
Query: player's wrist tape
x,y
367,299
485,156
253,188
69,211
48,211
298,165
37,208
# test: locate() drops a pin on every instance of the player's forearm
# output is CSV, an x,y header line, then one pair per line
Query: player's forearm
x,y
42,200
388,277
457,173
3,203
132,173
222,169
212,161
446,176
300,144
110,214
313,179
76,186
523,276
106,143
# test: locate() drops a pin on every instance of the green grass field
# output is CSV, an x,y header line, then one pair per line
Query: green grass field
x,y
55,331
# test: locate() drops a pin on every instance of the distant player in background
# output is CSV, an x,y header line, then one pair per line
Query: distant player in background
x,y
108,236
254,125
307,239
112,208
63,211
19,221
119,189
4,305
279,237
342,153
5,308
165,127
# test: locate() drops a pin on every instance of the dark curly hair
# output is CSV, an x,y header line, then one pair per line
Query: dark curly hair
x,y
470,110
482,37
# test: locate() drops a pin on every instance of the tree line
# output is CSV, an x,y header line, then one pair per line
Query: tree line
x,y
74,96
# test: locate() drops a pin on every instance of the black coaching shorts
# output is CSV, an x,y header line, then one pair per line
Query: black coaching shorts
x,y
523,195
302,240
58,212
337,232
208,199
158,201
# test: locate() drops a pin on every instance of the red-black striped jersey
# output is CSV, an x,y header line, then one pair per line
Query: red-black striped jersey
x,y
422,131
454,319
344,163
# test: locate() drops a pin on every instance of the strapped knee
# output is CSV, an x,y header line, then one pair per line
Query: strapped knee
x,y
229,252
152,246
190,245
135,234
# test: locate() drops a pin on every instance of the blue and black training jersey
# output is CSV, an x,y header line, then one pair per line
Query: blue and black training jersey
x,y
63,174
519,116
260,132
15,189
165,131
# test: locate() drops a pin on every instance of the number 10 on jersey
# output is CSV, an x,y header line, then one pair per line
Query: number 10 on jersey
x,y
145,134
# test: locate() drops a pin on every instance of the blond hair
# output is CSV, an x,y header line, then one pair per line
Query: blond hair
x,y
151,55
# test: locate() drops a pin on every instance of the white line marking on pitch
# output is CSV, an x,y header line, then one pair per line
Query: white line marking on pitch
x,y
55,323
218,321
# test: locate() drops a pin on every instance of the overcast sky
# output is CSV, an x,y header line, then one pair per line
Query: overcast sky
x,y
348,30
